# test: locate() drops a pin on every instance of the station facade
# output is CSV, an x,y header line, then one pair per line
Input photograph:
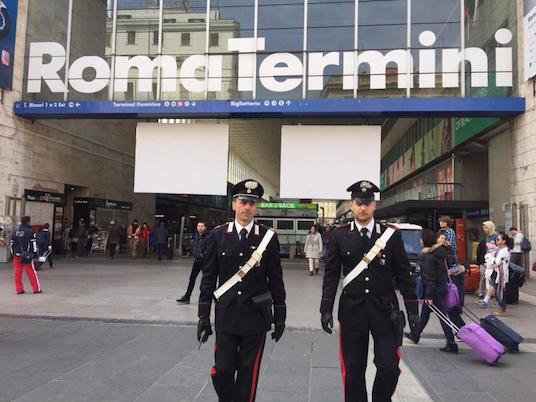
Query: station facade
x,y
445,79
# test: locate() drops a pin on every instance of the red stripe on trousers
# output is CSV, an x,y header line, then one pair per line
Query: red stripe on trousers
x,y
18,267
343,365
255,374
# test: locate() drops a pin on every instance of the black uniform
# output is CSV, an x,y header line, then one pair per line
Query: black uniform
x,y
241,324
368,304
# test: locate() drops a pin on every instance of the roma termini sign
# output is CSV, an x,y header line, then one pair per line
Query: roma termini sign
x,y
278,72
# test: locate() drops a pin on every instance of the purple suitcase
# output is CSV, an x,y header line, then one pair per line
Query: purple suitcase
x,y
482,343
474,336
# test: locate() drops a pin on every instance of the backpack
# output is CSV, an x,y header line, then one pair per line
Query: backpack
x,y
525,245
516,275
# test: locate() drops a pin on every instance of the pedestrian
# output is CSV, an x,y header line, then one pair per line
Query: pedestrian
x,y
145,234
492,251
244,311
435,279
199,248
486,246
498,278
454,271
326,238
368,302
82,236
313,249
162,235
44,245
133,233
24,249
114,234
516,254
445,227
123,238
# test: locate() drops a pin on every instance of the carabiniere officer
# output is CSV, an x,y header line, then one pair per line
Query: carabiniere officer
x,y
368,303
244,312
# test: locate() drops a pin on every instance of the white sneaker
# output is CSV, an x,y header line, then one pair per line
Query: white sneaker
x,y
482,303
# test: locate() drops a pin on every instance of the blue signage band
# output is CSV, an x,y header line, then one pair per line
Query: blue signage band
x,y
361,107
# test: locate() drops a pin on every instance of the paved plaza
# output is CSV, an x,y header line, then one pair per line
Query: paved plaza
x,y
111,331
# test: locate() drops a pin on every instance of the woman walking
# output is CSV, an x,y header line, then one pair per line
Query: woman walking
x,y
435,279
145,234
313,250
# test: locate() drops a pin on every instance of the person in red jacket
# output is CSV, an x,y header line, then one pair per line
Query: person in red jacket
x,y
145,234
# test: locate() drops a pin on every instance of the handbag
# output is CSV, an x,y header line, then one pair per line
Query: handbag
x,y
26,257
452,297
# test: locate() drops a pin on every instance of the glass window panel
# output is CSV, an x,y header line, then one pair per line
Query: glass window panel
x,y
330,29
281,24
230,19
382,27
442,18
279,87
482,20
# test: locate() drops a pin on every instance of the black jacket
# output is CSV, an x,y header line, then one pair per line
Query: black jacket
x,y
235,311
22,240
162,234
199,246
367,301
434,270
481,252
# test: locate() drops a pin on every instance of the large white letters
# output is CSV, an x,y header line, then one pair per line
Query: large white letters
x,y
278,72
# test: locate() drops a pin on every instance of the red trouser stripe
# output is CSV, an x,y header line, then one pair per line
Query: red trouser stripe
x,y
255,374
343,365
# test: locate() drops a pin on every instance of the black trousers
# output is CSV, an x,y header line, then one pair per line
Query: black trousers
x,y
353,348
196,268
112,247
236,372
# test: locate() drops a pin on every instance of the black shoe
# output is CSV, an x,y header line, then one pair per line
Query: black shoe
x,y
184,300
413,337
21,293
39,291
316,271
311,273
450,348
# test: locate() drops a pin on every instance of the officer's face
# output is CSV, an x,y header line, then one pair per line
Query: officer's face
x,y
363,212
244,210
201,228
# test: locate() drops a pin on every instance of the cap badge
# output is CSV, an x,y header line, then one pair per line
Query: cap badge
x,y
251,185
365,185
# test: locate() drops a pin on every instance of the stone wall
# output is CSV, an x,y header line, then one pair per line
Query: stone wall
x,y
524,148
97,155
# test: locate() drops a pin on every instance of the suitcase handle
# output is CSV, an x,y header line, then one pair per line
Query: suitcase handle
x,y
443,317
471,315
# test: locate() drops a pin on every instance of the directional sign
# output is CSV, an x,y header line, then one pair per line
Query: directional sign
x,y
361,107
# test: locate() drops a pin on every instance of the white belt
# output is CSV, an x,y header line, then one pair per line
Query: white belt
x,y
367,259
254,259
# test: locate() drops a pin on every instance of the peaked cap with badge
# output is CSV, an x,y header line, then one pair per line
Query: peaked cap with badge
x,y
363,191
248,190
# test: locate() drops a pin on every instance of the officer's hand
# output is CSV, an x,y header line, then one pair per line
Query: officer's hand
x,y
204,330
279,327
327,322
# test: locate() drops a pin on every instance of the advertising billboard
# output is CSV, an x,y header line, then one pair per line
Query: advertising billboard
x,y
8,30
530,38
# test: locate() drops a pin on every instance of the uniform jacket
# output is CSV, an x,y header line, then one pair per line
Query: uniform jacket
x,y
367,301
23,239
235,311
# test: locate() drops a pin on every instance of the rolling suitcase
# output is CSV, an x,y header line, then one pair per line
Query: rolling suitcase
x,y
499,330
474,336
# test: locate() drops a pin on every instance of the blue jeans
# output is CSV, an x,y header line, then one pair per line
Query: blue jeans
x,y
425,314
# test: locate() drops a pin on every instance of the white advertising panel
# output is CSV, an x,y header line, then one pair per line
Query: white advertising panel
x,y
530,39
320,162
181,158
